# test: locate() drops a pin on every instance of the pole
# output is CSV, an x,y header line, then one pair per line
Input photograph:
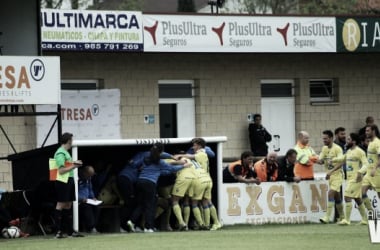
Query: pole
x,y
219,167
75,203
59,120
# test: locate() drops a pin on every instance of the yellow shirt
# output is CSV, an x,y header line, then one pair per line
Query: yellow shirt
x,y
356,161
373,153
328,154
202,158
187,173
203,175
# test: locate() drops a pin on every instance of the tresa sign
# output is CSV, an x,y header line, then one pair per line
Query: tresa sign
x,y
30,80
358,34
74,30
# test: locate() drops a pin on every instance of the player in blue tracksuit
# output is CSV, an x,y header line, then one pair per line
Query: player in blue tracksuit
x,y
127,180
146,187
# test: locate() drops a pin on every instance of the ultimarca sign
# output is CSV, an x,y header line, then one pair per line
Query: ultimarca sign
x,y
180,33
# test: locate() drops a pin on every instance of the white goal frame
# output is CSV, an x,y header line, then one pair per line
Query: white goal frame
x,y
219,140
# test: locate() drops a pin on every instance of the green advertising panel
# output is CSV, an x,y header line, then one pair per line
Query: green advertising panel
x,y
358,34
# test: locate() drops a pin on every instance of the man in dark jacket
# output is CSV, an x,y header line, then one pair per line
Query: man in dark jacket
x,y
258,137
286,167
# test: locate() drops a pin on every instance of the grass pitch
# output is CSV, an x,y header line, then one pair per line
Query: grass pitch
x,y
309,236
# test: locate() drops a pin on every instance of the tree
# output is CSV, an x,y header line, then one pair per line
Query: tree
x,y
74,4
186,6
262,6
51,4
136,5
328,7
307,7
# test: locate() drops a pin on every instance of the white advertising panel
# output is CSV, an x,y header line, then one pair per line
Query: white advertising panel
x,y
30,80
78,30
195,33
88,114
277,202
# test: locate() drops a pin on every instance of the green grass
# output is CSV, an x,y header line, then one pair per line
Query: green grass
x,y
268,237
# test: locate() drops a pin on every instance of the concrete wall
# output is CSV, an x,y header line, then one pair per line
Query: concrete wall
x,y
227,88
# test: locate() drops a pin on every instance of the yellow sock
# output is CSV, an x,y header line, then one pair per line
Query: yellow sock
x,y
348,211
362,212
367,203
206,214
339,207
214,215
186,214
178,214
198,216
330,207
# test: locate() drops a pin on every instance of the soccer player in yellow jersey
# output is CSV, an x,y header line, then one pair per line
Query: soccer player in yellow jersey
x,y
355,159
201,157
181,188
200,185
372,173
334,174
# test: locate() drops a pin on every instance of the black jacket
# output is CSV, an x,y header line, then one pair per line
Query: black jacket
x,y
259,136
285,170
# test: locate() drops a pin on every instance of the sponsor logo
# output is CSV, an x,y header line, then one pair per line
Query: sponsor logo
x,y
284,33
219,32
374,225
60,19
351,34
80,114
95,109
152,31
361,34
37,70
280,206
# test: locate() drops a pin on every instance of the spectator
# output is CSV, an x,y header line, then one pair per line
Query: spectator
x,y
87,213
267,168
369,121
340,137
306,157
258,137
286,167
241,170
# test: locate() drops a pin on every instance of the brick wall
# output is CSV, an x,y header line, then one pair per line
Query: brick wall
x,y
228,87
21,132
